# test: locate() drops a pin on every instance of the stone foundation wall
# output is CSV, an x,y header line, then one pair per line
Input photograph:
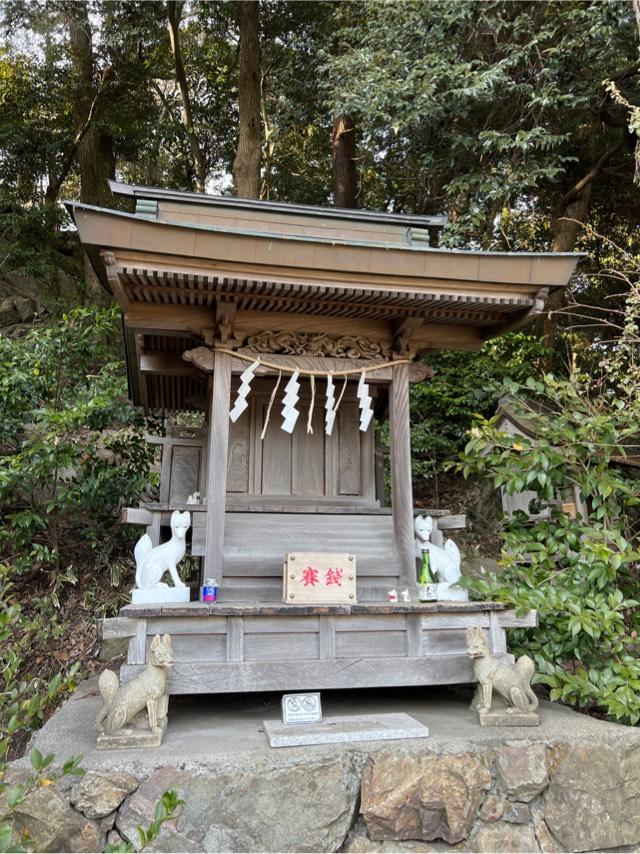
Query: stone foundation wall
x,y
517,796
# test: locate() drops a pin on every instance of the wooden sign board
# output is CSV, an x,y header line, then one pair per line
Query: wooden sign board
x,y
319,578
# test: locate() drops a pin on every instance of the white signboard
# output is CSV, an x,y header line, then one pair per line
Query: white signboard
x,y
301,709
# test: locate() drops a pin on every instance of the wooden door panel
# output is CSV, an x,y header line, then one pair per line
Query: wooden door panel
x,y
349,465
308,454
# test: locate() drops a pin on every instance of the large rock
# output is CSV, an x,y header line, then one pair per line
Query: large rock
x,y
16,309
138,809
522,770
546,842
593,798
98,794
502,837
492,808
307,807
516,813
423,797
45,821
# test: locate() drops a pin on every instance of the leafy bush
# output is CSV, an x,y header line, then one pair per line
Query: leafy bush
x,y
581,574
71,446
24,698
464,386
45,775
168,808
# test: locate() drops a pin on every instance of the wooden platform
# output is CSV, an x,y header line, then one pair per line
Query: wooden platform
x,y
267,646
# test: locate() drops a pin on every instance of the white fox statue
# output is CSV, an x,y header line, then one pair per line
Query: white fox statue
x,y
445,561
152,562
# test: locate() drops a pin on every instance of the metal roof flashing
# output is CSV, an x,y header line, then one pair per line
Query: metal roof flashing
x,y
154,194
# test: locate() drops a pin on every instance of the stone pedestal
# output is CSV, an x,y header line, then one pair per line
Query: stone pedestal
x,y
137,735
451,592
160,595
508,717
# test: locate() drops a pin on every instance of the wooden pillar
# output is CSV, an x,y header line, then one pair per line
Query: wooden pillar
x,y
217,466
401,489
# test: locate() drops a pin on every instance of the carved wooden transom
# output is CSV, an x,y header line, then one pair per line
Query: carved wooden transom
x,y
317,344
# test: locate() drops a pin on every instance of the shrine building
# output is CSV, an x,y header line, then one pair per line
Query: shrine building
x,y
339,307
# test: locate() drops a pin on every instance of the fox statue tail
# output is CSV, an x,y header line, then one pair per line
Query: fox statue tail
x,y
453,552
142,549
108,683
524,698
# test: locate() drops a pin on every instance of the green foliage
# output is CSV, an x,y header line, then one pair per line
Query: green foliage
x,y
44,776
72,447
25,698
464,386
580,574
168,808
479,107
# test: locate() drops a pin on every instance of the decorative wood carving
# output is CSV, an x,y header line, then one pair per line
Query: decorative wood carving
x,y
201,357
317,344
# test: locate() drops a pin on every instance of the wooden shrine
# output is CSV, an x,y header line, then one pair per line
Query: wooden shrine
x,y
207,285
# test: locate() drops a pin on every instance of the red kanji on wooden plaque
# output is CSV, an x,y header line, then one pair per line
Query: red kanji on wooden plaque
x,y
319,578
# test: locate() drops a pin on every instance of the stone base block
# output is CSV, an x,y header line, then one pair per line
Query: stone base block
x,y
160,595
136,735
508,717
451,593
345,729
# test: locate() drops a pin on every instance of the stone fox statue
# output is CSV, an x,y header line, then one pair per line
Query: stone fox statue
x,y
510,681
121,703
152,563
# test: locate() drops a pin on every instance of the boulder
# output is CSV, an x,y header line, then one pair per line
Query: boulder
x,y
492,808
423,797
546,842
306,807
516,813
45,821
98,794
522,770
502,837
139,808
592,799
364,845
16,309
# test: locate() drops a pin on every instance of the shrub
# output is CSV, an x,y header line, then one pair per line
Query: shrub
x,y
581,574
71,446
25,698
464,386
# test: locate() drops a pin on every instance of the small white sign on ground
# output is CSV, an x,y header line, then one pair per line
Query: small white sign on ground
x,y
301,709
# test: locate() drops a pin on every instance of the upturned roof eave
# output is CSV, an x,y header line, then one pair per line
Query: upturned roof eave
x,y
406,250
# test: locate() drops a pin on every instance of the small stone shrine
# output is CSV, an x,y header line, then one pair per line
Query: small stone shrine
x,y
294,331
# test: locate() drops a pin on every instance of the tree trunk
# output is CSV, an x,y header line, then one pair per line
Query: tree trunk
x,y
246,166
573,209
174,12
93,146
94,152
343,154
566,229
